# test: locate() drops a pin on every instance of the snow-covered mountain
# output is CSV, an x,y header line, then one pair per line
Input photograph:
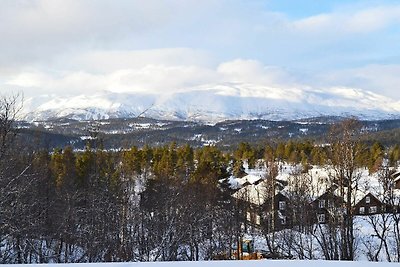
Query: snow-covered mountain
x,y
217,102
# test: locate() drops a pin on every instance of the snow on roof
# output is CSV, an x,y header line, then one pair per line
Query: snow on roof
x,y
315,180
252,178
237,183
254,194
396,176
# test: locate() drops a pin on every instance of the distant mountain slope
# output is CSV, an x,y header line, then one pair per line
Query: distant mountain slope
x,y
217,103
124,133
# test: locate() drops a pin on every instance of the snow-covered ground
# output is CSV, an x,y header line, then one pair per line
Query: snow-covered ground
x,y
259,263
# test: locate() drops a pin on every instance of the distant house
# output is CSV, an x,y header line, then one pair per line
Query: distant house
x,y
250,198
368,205
277,213
263,210
396,179
327,207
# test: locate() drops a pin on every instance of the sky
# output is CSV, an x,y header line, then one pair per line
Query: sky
x,y
74,47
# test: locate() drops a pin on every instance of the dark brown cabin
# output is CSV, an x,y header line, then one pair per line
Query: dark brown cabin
x,y
278,213
369,205
327,207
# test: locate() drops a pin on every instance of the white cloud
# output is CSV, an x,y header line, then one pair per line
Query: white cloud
x,y
351,22
153,71
60,20
105,61
253,71
75,46
39,31
150,79
381,79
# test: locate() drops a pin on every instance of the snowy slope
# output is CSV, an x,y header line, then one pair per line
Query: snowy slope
x,y
216,103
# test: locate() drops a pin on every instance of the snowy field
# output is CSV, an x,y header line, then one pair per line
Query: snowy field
x,y
258,263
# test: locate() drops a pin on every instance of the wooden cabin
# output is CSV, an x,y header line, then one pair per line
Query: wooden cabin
x,y
278,213
327,207
369,205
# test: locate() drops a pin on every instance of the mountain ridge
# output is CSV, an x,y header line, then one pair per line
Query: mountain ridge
x,y
216,104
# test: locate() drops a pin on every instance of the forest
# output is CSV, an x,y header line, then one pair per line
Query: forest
x,y
153,203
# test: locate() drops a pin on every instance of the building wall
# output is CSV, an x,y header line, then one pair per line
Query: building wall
x,y
369,205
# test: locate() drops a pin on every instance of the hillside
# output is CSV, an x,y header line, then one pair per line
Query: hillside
x,y
123,133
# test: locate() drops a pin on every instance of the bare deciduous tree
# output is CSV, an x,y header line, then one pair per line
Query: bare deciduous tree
x,y
343,159
10,108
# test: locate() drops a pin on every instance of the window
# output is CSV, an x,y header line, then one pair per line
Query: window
x,y
362,210
373,209
367,199
330,203
282,205
258,219
321,218
322,203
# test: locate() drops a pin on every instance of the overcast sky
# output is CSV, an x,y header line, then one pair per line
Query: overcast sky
x,y
85,46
